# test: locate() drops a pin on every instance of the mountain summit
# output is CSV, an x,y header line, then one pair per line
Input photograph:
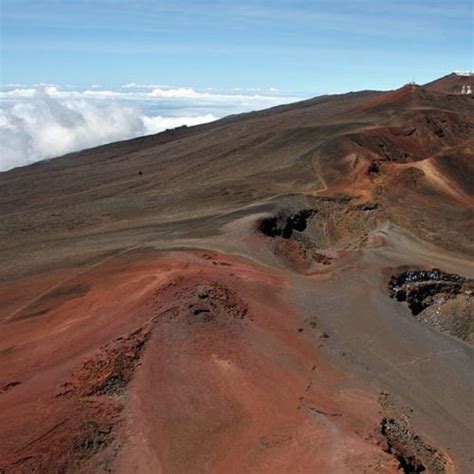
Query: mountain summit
x,y
459,82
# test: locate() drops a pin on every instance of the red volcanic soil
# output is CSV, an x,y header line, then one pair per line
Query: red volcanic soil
x,y
282,291
178,363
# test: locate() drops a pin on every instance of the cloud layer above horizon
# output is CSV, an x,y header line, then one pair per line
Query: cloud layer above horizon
x,y
43,121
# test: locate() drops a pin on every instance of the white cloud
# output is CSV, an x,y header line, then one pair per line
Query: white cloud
x,y
39,122
101,94
134,85
11,85
46,127
180,93
19,93
159,123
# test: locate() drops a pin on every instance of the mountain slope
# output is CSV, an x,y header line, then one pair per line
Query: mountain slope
x,y
454,83
252,294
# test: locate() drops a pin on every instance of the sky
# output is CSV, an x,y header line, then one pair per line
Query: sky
x,y
141,66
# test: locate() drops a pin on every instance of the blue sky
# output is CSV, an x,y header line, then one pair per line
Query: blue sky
x,y
300,47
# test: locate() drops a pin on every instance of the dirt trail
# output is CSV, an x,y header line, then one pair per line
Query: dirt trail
x,y
445,184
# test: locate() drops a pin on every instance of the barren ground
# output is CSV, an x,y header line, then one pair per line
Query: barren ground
x,y
283,291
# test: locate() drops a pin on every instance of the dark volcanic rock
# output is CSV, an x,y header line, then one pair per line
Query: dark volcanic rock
x,y
418,287
411,451
281,226
441,300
